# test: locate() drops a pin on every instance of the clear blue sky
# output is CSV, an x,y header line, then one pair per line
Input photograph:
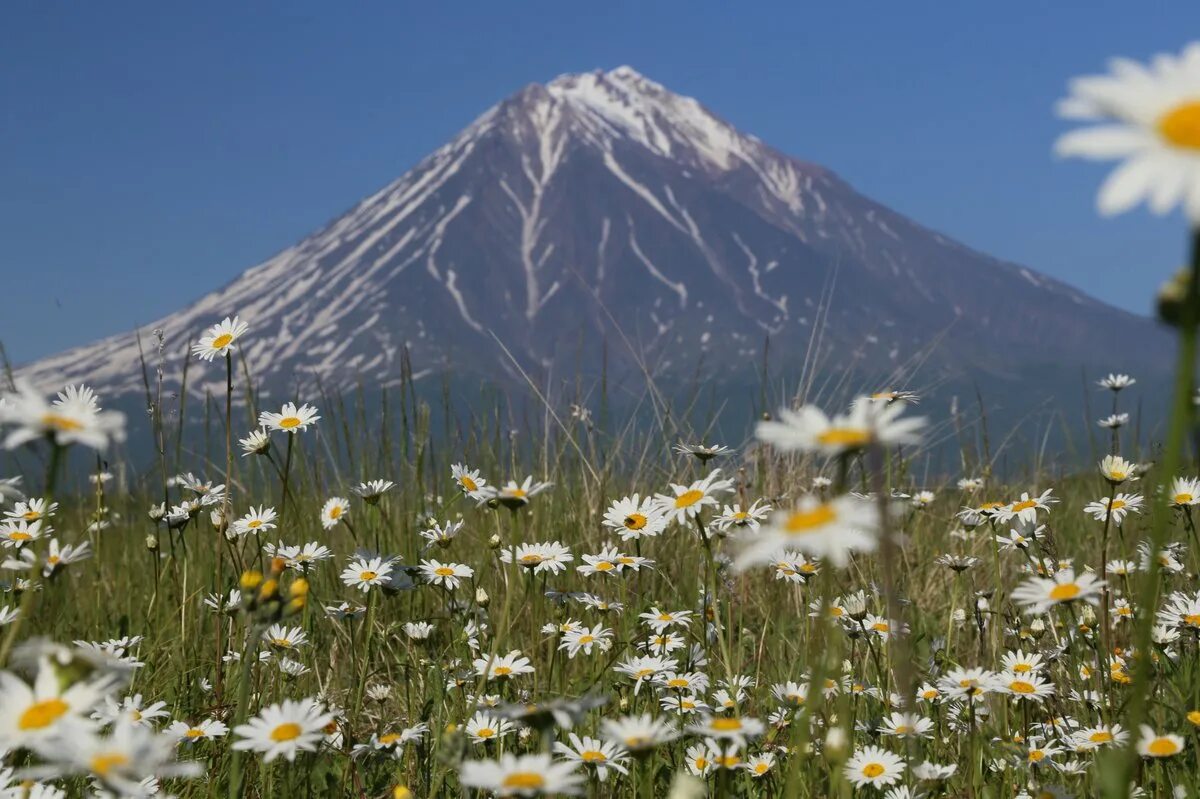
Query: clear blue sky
x,y
149,152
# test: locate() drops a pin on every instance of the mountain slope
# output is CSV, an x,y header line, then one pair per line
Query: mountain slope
x,y
601,206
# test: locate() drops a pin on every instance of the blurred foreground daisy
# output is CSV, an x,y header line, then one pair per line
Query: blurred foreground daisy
x,y
1153,116
808,429
74,417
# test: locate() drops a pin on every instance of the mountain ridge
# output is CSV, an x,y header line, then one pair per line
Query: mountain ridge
x,y
602,200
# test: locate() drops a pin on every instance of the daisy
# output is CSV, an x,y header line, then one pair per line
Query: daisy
x,y
1039,594
552,557
34,510
418,630
687,501
372,490
577,640
873,766
74,417
256,442
521,775
1153,744
638,733
702,452
513,495
219,339
906,725
1026,508
1114,421
15,534
130,710
32,715
1099,737
1152,123
194,733
124,762
644,669
441,535
970,484
1116,382
660,620
810,430
635,517
594,753
365,573
501,667
1020,663
733,517
284,729
701,759
1024,686
689,682
1120,505
283,637
607,562
1117,470
483,728
290,419
59,557
793,567
468,480
448,575
1185,491
296,557
334,511
735,729
256,521
827,529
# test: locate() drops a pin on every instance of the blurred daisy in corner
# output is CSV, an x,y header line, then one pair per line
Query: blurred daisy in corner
x,y
1152,123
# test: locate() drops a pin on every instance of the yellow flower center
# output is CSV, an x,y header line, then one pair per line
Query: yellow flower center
x,y
254,523
761,768
593,756
635,521
1064,592
103,764
288,731
222,341
903,729
516,492
873,770
335,512
1117,504
1181,125
604,566
288,422
806,521
1162,747
42,714
56,421
845,437
726,725
677,682
1100,737
1183,498
468,483
587,639
389,739
17,535
1021,687
1117,475
1024,505
485,732
194,733
880,627
32,516
1192,619
367,575
443,571
502,671
531,559
644,673
1022,668
1036,755
688,498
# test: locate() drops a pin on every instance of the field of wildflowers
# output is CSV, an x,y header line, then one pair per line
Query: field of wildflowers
x,y
302,612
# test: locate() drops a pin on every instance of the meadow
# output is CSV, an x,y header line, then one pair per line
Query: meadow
x,y
310,599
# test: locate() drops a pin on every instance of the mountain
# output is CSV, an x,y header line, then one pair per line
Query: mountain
x,y
601,209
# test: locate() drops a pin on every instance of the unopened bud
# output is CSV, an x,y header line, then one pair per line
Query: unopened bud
x,y
152,543
494,542
481,598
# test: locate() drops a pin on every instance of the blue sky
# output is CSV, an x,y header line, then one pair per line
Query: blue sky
x,y
149,152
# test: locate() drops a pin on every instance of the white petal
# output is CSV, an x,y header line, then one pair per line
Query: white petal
x,y
1102,142
1125,186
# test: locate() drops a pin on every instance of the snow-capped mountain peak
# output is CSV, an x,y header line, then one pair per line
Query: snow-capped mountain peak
x,y
602,206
